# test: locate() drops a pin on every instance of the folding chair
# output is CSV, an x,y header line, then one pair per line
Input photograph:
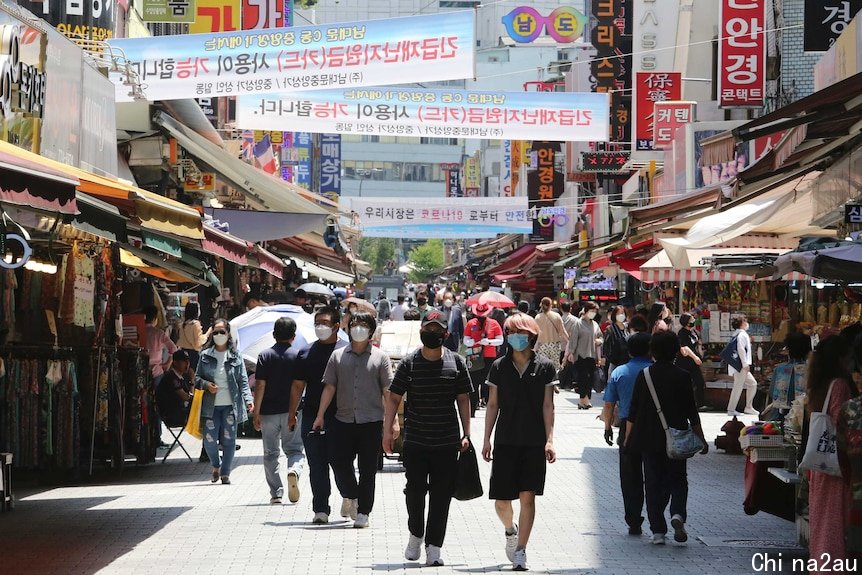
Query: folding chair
x,y
172,425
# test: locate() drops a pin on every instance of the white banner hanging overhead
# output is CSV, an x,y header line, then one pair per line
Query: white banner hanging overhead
x,y
439,217
424,48
391,111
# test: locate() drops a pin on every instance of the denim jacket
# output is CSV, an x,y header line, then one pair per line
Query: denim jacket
x,y
237,379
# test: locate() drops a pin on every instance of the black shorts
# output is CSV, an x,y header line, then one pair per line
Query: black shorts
x,y
517,468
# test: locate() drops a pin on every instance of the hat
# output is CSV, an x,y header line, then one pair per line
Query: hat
x,y
435,316
482,309
181,355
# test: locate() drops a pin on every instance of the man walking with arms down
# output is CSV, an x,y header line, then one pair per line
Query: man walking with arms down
x,y
358,376
276,370
435,378
521,400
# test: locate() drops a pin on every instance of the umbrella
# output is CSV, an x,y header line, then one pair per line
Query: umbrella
x,y
490,298
363,304
340,292
252,331
842,262
316,289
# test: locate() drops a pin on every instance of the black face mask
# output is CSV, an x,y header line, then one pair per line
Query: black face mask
x,y
421,301
432,339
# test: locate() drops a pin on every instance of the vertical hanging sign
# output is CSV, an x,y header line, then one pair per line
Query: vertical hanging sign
x,y
742,54
652,87
330,166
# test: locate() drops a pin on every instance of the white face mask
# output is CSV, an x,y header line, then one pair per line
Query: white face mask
x,y
322,331
220,339
447,302
359,333
621,317
591,315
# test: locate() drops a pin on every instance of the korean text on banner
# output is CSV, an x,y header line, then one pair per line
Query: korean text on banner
x,y
439,218
558,116
330,166
424,48
668,117
652,87
742,54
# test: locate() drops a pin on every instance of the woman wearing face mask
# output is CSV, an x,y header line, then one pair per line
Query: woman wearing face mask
x,y
657,318
221,373
553,338
615,349
583,351
482,337
689,357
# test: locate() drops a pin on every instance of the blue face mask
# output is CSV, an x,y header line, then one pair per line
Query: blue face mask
x,y
518,341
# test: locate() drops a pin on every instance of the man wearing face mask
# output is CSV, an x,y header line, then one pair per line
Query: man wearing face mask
x,y
435,379
311,363
482,336
454,321
422,304
358,376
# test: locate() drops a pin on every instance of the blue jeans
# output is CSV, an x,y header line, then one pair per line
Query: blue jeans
x,y
317,452
274,431
222,424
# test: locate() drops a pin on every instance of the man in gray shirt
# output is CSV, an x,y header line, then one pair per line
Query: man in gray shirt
x,y
358,376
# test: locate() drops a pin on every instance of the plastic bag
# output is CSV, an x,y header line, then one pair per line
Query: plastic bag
x,y
193,424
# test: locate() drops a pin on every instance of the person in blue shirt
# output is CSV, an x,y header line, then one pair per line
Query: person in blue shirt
x,y
619,391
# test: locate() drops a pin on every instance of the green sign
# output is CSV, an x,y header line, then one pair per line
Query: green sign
x,y
168,11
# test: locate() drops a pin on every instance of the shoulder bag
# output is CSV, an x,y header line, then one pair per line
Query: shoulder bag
x,y
730,355
679,443
468,485
821,453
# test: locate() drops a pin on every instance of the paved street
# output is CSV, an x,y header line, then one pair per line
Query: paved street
x,y
170,519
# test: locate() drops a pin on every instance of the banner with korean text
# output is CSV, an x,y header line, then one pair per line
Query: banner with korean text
x,y
393,111
652,87
424,48
742,54
330,166
438,218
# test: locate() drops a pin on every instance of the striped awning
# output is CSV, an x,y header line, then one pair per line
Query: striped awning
x,y
656,275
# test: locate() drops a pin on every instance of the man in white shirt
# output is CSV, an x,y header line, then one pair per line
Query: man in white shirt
x,y
397,313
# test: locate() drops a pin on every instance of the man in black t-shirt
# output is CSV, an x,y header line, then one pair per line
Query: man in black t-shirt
x,y
434,379
276,370
174,393
311,363
521,405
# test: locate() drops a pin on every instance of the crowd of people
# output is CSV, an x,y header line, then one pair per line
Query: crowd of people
x,y
333,405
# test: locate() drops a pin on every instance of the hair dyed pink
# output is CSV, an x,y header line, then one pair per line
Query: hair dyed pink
x,y
521,321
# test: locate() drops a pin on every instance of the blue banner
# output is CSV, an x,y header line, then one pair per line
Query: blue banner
x,y
330,166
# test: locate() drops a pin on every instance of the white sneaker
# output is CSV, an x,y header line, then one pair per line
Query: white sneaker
x,y
354,509
511,543
345,507
414,548
658,539
734,413
751,411
320,518
292,486
361,521
432,556
679,534
519,562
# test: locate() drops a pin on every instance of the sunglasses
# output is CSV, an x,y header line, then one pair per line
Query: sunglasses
x,y
220,332
525,24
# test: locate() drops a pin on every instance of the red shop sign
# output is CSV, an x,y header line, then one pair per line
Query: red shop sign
x,y
652,87
742,54
668,117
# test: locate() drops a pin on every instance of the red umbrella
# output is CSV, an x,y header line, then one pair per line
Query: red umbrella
x,y
490,298
362,304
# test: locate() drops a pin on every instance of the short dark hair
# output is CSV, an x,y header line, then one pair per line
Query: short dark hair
x,y
565,307
364,318
284,329
523,306
412,314
685,319
638,324
150,313
401,299
664,346
192,311
642,310
798,345
333,312
736,322
639,344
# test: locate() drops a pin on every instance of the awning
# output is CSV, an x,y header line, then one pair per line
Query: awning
x,y
267,261
665,210
226,246
513,260
153,265
323,273
161,214
256,226
27,180
260,188
660,269
99,218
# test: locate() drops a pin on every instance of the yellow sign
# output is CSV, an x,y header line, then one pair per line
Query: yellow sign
x,y
216,16
206,183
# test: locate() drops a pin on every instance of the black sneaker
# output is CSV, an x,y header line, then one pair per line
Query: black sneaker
x,y
635,530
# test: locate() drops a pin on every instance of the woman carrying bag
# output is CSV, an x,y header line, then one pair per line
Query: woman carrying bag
x,y
227,399
665,479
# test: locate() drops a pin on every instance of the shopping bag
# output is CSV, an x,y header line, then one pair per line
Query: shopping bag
x,y
730,355
193,424
468,486
599,379
821,453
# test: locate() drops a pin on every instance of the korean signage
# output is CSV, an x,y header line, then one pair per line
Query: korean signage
x,y
853,214
296,151
472,179
506,168
668,117
432,113
518,149
524,24
610,70
168,11
544,185
23,82
652,87
213,16
442,218
453,181
61,123
205,183
825,20
209,106
367,53
76,19
266,14
604,162
742,54
330,166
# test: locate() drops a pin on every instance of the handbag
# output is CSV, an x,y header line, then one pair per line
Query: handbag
x,y
599,379
468,485
730,355
193,423
679,443
821,453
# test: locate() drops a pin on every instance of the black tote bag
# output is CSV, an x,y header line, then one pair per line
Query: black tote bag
x,y
468,486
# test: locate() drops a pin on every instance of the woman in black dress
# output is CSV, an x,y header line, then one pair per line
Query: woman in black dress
x,y
689,357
